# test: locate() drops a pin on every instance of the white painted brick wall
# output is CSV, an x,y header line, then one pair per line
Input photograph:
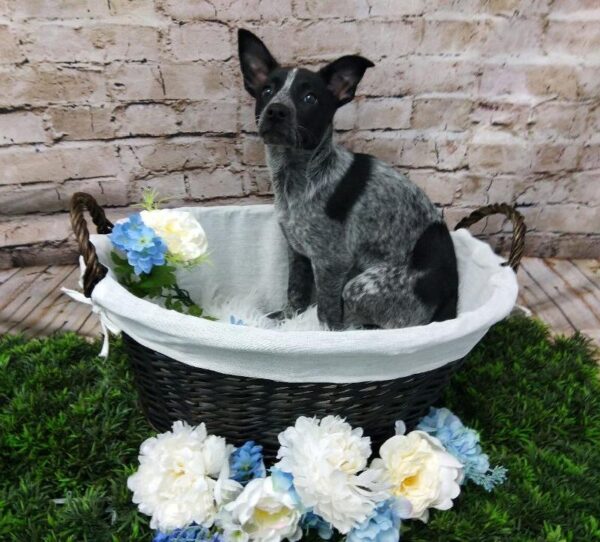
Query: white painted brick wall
x,y
476,100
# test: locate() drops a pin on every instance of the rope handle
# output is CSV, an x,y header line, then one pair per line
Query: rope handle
x,y
94,270
518,224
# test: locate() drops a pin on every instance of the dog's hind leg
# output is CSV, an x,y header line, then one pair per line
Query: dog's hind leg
x,y
411,294
384,296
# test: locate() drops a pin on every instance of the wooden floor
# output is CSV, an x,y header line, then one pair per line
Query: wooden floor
x,y
564,293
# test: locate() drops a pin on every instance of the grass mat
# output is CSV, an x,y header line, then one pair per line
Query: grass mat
x,y
70,431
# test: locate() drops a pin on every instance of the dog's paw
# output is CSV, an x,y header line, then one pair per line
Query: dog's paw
x,y
277,315
332,319
287,312
333,324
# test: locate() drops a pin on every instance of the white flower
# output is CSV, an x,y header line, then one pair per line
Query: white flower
x,y
234,534
419,469
182,233
263,512
182,477
328,460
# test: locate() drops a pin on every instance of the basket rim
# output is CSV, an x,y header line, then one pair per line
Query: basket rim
x,y
376,341
301,356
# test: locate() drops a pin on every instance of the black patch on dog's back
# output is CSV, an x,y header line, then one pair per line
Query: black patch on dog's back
x,y
437,285
349,188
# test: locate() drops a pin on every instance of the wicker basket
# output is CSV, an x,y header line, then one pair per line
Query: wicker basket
x,y
241,408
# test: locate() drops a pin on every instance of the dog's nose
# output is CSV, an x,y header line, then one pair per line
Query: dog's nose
x,y
278,112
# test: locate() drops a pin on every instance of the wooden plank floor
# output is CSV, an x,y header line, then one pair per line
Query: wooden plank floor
x,y
563,293
31,302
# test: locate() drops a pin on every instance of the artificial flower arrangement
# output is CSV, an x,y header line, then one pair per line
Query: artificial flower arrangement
x,y
151,245
196,487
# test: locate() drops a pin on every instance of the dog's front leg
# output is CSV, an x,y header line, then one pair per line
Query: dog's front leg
x,y
300,281
300,286
330,280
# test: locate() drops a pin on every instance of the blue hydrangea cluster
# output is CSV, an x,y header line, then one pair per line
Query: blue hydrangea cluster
x,y
463,443
194,533
246,463
284,481
311,522
143,248
382,526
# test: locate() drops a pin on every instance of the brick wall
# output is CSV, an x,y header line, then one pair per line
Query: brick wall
x,y
478,100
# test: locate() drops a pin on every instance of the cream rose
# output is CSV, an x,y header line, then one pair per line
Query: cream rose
x,y
264,512
181,232
419,469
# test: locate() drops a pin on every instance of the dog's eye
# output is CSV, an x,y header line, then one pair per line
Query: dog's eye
x,y
310,99
267,92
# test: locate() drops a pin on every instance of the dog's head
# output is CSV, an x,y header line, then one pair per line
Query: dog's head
x,y
295,106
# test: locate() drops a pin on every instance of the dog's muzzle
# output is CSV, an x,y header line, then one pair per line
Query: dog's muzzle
x,y
276,125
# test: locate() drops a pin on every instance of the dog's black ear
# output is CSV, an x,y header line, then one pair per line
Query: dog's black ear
x,y
255,60
343,75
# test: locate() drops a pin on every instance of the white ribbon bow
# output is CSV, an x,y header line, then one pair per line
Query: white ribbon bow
x,y
107,326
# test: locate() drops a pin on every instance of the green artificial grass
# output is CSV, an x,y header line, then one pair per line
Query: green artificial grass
x,y
70,431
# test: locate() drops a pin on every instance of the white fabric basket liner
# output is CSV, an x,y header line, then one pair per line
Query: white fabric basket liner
x,y
248,254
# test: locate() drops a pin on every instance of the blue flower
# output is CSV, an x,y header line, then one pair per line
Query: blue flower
x,y
194,533
463,443
310,521
144,249
246,463
382,526
284,481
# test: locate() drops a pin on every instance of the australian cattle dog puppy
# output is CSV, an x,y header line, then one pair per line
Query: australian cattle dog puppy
x,y
369,241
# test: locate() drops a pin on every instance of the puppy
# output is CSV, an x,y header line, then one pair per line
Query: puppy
x,y
369,241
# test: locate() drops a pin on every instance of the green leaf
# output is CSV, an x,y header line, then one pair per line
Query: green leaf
x,y
122,268
186,264
150,284
117,259
138,290
161,276
195,310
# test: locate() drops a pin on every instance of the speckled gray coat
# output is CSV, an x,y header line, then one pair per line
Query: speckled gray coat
x,y
377,237
370,241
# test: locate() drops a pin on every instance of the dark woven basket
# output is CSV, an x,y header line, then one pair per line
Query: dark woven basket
x,y
240,408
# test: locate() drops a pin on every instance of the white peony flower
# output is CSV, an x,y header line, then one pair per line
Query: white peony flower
x,y
419,469
234,533
182,477
182,233
263,512
328,459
